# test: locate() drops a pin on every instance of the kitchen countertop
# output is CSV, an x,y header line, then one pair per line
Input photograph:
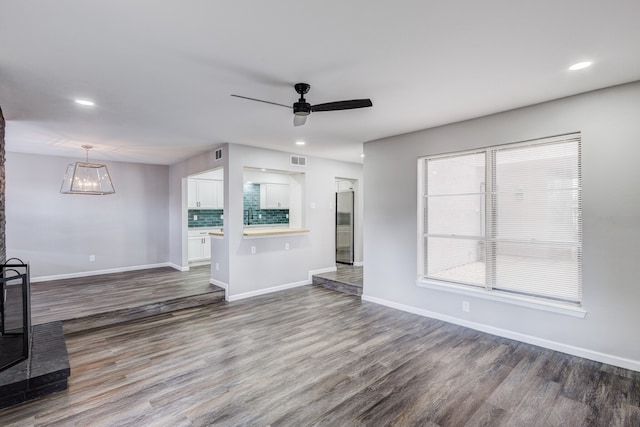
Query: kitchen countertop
x,y
266,231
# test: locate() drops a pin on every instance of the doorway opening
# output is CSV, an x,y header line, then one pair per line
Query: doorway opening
x,y
344,221
205,213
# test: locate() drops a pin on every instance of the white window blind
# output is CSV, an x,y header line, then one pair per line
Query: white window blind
x,y
506,219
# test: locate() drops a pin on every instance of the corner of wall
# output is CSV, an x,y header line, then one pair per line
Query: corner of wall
x,y
3,240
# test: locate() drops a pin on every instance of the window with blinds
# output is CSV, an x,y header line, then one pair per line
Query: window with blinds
x,y
505,219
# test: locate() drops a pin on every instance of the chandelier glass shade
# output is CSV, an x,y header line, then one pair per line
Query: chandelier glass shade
x,y
87,178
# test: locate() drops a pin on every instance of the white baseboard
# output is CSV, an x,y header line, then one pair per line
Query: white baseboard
x,y
529,339
178,267
275,288
98,272
267,290
223,285
320,271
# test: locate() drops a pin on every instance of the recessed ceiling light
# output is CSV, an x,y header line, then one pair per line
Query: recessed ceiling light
x,y
580,65
85,102
263,170
362,155
300,142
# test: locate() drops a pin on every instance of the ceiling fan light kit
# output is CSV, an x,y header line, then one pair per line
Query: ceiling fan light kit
x,y
302,108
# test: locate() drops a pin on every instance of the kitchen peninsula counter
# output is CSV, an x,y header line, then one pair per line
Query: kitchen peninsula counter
x,y
266,232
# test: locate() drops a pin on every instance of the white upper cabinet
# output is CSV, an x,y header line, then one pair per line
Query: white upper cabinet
x,y
274,196
205,194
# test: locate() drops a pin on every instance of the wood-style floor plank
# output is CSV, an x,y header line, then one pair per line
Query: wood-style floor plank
x,y
94,299
312,356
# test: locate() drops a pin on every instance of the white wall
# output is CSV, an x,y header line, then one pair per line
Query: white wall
x,y
273,266
608,120
56,232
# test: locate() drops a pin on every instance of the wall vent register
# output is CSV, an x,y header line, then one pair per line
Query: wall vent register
x,y
298,160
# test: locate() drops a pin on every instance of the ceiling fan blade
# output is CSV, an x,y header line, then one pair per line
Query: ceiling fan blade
x,y
342,105
260,100
299,120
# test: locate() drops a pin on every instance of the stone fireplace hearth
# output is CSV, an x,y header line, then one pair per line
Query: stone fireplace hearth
x,y
47,368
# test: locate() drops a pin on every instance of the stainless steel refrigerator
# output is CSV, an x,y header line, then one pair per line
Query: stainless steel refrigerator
x,y
344,227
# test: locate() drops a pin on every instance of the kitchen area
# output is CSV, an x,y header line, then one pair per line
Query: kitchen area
x,y
272,205
271,223
205,204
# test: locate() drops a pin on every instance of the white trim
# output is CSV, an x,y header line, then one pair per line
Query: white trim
x,y
178,267
223,285
508,299
621,362
320,271
358,264
106,271
266,236
267,290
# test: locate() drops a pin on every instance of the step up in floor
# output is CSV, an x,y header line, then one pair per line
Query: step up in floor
x,y
344,287
113,317
47,368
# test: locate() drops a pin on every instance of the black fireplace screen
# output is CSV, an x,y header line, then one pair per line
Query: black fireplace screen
x,y
15,313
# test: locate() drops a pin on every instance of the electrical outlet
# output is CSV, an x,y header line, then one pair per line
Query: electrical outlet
x,y
217,266
259,216
466,306
92,258
253,250
222,216
195,217
286,215
286,246
313,205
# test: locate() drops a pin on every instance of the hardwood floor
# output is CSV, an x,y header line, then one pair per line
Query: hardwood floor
x,y
93,299
346,279
312,356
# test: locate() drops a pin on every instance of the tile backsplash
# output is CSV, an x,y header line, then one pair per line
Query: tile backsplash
x,y
253,215
206,218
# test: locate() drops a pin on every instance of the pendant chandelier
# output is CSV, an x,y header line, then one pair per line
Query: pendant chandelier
x,y
87,178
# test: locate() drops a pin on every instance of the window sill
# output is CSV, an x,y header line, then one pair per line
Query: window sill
x,y
509,299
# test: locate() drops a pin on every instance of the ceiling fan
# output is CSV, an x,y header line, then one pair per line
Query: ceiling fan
x,y
302,108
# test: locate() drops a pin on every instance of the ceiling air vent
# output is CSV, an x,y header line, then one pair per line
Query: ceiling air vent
x,y
298,160
218,153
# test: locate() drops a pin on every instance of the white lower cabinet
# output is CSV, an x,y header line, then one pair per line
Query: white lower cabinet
x,y
199,246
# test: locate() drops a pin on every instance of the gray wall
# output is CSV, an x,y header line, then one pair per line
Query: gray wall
x,y
608,120
272,265
56,232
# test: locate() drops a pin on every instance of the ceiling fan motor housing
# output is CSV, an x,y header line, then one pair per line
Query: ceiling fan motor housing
x,y
301,108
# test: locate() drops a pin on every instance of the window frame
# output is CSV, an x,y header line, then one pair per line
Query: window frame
x,y
487,292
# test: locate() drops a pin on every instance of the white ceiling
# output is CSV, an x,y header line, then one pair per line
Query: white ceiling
x,y
161,72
